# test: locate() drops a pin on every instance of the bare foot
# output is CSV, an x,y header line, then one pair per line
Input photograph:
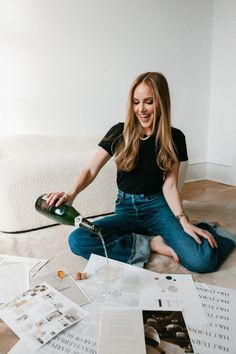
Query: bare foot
x,y
159,246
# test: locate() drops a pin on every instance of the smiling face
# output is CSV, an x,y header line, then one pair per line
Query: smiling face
x,y
144,106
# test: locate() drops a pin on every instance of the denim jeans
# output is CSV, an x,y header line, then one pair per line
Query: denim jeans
x,y
127,235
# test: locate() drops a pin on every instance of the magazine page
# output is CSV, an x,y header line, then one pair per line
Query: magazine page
x,y
39,314
166,332
220,307
65,284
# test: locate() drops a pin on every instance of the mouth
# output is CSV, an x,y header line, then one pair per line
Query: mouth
x,y
144,118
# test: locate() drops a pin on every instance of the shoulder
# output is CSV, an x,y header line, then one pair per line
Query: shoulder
x,y
110,140
116,129
179,142
177,134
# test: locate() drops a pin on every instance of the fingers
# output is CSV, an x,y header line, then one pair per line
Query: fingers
x,y
196,238
56,198
207,235
195,232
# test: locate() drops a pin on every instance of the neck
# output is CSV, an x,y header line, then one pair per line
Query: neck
x,y
147,132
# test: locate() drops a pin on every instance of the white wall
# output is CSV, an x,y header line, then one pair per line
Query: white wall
x,y
66,66
222,121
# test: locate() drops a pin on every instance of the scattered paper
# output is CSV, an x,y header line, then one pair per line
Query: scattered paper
x,y
13,281
219,336
39,314
65,285
169,294
33,264
146,289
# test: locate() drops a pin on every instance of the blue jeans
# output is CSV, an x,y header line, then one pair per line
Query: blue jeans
x,y
126,235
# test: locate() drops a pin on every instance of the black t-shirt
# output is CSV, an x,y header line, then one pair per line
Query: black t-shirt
x,y
146,177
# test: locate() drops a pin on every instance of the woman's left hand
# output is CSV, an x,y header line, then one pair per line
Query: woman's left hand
x,y
196,232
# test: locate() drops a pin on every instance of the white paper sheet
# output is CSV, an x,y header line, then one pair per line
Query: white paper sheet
x,y
39,314
121,332
148,290
123,292
33,264
220,335
14,280
66,286
172,292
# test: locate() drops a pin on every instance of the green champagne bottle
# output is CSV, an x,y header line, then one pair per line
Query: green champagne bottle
x,y
65,214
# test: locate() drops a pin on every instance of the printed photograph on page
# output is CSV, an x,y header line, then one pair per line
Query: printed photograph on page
x,y
166,332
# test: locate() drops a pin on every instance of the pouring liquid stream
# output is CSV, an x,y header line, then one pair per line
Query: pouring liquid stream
x,y
107,272
103,244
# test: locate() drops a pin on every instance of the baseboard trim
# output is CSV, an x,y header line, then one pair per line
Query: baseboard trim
x,y
195,180
221,172
216,171
197,170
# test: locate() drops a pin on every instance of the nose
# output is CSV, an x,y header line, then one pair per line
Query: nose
x,y
142,107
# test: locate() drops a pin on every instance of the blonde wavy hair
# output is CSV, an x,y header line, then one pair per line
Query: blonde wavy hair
x,y
126,155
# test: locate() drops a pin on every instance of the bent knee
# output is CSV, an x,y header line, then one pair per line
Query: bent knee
x,y
202,258
203,267
202,264
73,243
76,245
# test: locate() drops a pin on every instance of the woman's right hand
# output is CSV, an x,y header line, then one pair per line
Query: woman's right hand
x,y
59,198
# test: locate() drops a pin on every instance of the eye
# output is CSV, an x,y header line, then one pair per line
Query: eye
x,y
149,102
135,102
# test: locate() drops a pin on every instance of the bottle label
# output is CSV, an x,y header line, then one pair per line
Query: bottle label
x,y
42,204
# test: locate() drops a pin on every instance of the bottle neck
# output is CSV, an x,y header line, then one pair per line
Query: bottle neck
x,y
78,220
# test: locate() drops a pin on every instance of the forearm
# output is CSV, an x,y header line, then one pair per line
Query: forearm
x,y
81,182
89,173
173,199
86,176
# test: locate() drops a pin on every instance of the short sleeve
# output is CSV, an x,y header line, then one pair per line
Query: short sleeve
x,y
180,144
110,140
